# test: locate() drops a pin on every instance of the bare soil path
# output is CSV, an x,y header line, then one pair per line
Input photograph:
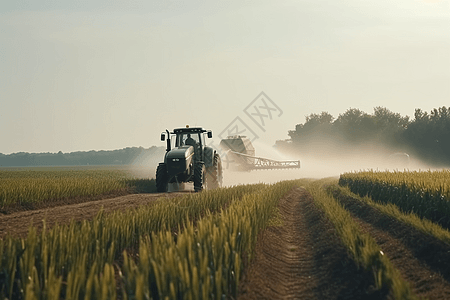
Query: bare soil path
x,y
17,223
304,259
422,260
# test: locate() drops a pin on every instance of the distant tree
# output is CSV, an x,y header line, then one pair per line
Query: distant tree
x,y
390,126
355,125
124,156
312,136
315,124
429,135
319,119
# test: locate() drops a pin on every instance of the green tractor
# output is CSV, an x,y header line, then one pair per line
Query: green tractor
x,y
188,159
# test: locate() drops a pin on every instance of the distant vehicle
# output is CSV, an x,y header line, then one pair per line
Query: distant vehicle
x,y
189,160
399,160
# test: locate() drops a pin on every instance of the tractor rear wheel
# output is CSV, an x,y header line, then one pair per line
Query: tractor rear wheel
x,y
161,178
214,174
199,176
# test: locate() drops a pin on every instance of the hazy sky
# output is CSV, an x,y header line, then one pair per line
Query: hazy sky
x,y
100,74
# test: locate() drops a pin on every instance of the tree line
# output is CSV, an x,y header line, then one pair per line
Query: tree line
x,y
426,136
126,156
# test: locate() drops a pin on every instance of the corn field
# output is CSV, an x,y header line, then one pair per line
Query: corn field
x,y
362,246
28,186
426,194
157,252
196,246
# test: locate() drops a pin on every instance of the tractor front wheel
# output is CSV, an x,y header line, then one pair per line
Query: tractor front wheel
x,y
199,176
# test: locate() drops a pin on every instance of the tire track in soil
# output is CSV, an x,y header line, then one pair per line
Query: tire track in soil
x,y
304,259
421,259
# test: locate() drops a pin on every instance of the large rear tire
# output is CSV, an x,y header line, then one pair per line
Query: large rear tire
x,y
214,174
199,176
161,178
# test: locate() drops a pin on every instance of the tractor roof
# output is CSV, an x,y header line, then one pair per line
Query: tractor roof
x,y
189,130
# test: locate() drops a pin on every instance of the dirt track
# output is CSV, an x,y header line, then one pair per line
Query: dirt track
x,y
304,259
17,223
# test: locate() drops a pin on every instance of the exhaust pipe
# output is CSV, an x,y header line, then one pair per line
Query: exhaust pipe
x,y
169,146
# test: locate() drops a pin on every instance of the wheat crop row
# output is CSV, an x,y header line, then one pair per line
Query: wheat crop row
x,y
79,261
426,194
23,187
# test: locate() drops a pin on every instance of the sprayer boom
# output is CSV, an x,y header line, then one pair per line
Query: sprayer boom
x,y
241,153
260,163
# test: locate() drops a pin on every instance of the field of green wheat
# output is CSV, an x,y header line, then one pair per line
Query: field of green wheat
x,y
425,193
24,186
194,246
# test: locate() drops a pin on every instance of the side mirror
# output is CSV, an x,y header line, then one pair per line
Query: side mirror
x,y
163,137
209,134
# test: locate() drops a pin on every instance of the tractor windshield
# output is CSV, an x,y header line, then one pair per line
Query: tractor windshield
x,y
190,139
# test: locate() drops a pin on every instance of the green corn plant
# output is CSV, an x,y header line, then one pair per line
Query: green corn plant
x,y
24,187
71,259
426,194
362,247
204,261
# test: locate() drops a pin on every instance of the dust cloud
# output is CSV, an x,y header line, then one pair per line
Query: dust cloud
x,y
322,159
326,160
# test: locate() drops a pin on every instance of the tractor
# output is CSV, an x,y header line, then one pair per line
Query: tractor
x,y
188,159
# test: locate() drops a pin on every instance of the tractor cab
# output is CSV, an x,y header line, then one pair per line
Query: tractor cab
x,y
183,137
190,160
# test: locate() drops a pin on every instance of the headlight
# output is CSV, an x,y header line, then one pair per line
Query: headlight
x,y
175,159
